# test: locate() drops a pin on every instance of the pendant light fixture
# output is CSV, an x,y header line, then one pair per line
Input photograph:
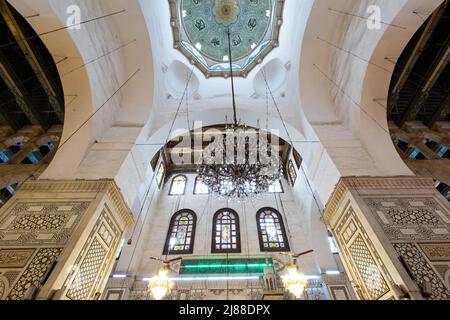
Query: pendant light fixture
x,y
240,177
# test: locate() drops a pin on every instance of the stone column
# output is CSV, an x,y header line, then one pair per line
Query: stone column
x,y
393,235
60,237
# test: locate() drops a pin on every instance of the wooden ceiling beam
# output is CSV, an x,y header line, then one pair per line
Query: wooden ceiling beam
x,y
442,111
415,55
6,118
436,69
33,58
16,87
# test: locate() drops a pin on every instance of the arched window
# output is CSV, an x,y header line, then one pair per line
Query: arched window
x,y
276,187
226,233
200,187
292,173
272,235
178,186
180,237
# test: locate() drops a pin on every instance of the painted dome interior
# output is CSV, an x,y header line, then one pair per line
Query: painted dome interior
x,y
201,32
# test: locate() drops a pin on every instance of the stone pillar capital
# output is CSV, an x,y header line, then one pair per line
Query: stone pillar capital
x,y
69,229
376,220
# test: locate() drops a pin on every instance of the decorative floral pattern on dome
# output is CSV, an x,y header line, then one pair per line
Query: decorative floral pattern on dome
x,y
226,11
200,30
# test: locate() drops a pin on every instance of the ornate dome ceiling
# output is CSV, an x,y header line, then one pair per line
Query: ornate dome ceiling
x,y
200,29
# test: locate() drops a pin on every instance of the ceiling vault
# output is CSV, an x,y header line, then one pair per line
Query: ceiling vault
x,y
7,119
442,111
33,58
21,95
415,55
435,71
419,89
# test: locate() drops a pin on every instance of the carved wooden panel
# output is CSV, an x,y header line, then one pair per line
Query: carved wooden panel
x,y
40,223
422,270
87,275
436,251
411,218
15,258
35,272
11,276
3,287
367,270
95,258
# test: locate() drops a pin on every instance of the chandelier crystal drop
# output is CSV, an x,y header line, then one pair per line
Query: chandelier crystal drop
x,y
294,281
160,285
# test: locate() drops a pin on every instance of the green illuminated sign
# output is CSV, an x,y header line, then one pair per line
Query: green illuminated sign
x,y
223,266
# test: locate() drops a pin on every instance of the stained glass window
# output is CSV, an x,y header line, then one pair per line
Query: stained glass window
x,y
180,237
160,174
226,233
272,235
178,185
200,187
292,173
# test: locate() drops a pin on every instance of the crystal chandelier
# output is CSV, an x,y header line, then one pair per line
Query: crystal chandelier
x,y
294,281
160,285
237,179
247,172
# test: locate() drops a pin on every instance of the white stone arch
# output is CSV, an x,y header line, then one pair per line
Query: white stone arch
x,y
157,135
60,45
335,85
125,40
376,84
